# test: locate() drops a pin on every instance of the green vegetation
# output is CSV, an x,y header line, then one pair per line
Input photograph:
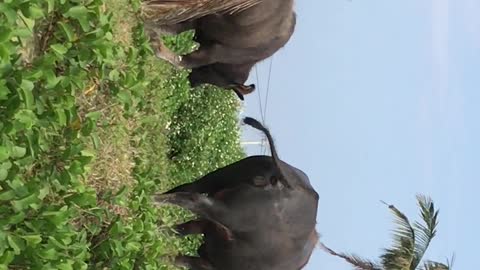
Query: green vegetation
x,y
91,124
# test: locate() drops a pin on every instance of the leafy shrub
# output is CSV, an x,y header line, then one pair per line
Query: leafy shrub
x,y
54,53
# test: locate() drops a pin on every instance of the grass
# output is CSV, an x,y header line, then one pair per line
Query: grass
x,y
91,125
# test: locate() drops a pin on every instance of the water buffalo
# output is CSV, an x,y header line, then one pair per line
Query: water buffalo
x,y
256,214
233,33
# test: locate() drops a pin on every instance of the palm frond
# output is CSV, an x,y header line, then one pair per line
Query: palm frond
x,y
357,262
430,265
425,231
401,254
409,243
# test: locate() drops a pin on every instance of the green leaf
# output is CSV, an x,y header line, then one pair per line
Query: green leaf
x,y
26,117
21,204
95,140
88,127
81,14
27,86
52,79
7,195
17,218
94,115
22,32
5,34
133,246
34,12
48,254
56,243
61,116
109,36
16,243
125,97
57,218
68,31
76,168
88,153
32,240
50,5
7,258
84,199
76,12
3,174
4,53
43,192
34,74
114,75
6,165
4,153
10,13
33,144
17,185
59,49
4,91
66,266
18,152
4,168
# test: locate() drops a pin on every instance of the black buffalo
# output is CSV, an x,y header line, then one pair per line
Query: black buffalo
x,y
256,214
233,35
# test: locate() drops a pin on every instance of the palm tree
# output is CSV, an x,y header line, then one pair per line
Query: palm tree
x,y
410,242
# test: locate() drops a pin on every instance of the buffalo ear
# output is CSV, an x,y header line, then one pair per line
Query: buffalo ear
x,y
239,95
260,181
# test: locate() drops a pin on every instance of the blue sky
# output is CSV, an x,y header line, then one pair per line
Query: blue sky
x,y
379,100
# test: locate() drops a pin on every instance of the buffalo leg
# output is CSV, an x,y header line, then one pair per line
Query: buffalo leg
x,y
197,226
193,263
205,55
203,226
202,251
202,205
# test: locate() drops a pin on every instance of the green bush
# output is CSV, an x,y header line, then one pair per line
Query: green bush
x,y
53,53
43,157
